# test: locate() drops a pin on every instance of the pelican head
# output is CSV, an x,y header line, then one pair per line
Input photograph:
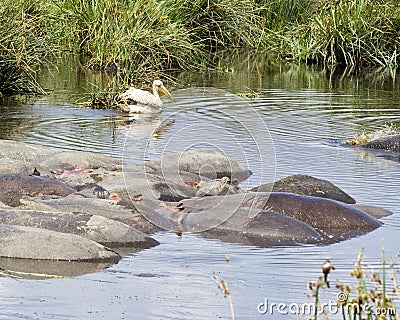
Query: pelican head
x,y
159,87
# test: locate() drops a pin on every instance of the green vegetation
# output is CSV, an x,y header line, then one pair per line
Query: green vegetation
x,y
350,32
143,39
24,45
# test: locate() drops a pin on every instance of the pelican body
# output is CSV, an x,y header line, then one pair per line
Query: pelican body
x,y
140,101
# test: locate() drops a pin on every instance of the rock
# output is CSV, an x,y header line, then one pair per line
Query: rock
x,y
205,163
34,243
306,185
96,228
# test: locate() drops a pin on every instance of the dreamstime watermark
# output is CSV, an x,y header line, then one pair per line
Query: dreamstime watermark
x,y
332,307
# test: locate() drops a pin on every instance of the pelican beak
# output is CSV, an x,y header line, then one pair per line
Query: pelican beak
x,y
165,91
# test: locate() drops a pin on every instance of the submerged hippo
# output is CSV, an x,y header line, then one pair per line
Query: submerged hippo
x,y
265,229
207,163
389,144
308,186
102,230
333,219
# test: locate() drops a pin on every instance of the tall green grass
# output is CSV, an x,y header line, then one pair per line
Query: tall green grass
x,y
354,33
144,39
24,45
136,36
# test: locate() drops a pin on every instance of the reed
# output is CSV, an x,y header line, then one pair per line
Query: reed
x,y
354,33
146,39
24,45
135,38
369,297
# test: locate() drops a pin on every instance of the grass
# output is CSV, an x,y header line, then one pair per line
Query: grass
x,y
355,33
146,39
24,45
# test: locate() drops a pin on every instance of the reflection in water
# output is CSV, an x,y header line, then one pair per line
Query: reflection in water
x,y
42,269
303,110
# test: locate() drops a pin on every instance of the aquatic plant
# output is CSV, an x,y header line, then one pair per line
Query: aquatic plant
x,y
371,300
223,286
142,40
107,98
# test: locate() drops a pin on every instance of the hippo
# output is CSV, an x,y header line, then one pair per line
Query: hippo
x,y
105,231
391,143
217,187
207,163
331,218
265,229
36,243
14,186
306,185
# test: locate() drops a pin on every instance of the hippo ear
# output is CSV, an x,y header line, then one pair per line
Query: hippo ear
x,y
235,182
196,185
179,207
137,197
114,196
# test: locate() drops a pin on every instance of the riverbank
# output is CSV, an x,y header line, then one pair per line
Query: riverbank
x,y
141,40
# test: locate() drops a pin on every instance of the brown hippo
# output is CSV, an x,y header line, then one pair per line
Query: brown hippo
x,y
333,219
14,186
308,186
265,229
391,143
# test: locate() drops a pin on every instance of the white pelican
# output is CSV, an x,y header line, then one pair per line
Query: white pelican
x,y
140,101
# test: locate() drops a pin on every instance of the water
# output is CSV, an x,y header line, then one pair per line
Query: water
x,y
287,129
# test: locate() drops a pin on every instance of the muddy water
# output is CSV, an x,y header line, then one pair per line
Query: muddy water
x,y
290,127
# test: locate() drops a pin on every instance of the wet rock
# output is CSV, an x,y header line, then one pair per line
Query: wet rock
x,y
306,185
15,186
35,243
96,228
205,163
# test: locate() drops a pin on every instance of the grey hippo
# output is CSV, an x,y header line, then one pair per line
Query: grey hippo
x,y
333,220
